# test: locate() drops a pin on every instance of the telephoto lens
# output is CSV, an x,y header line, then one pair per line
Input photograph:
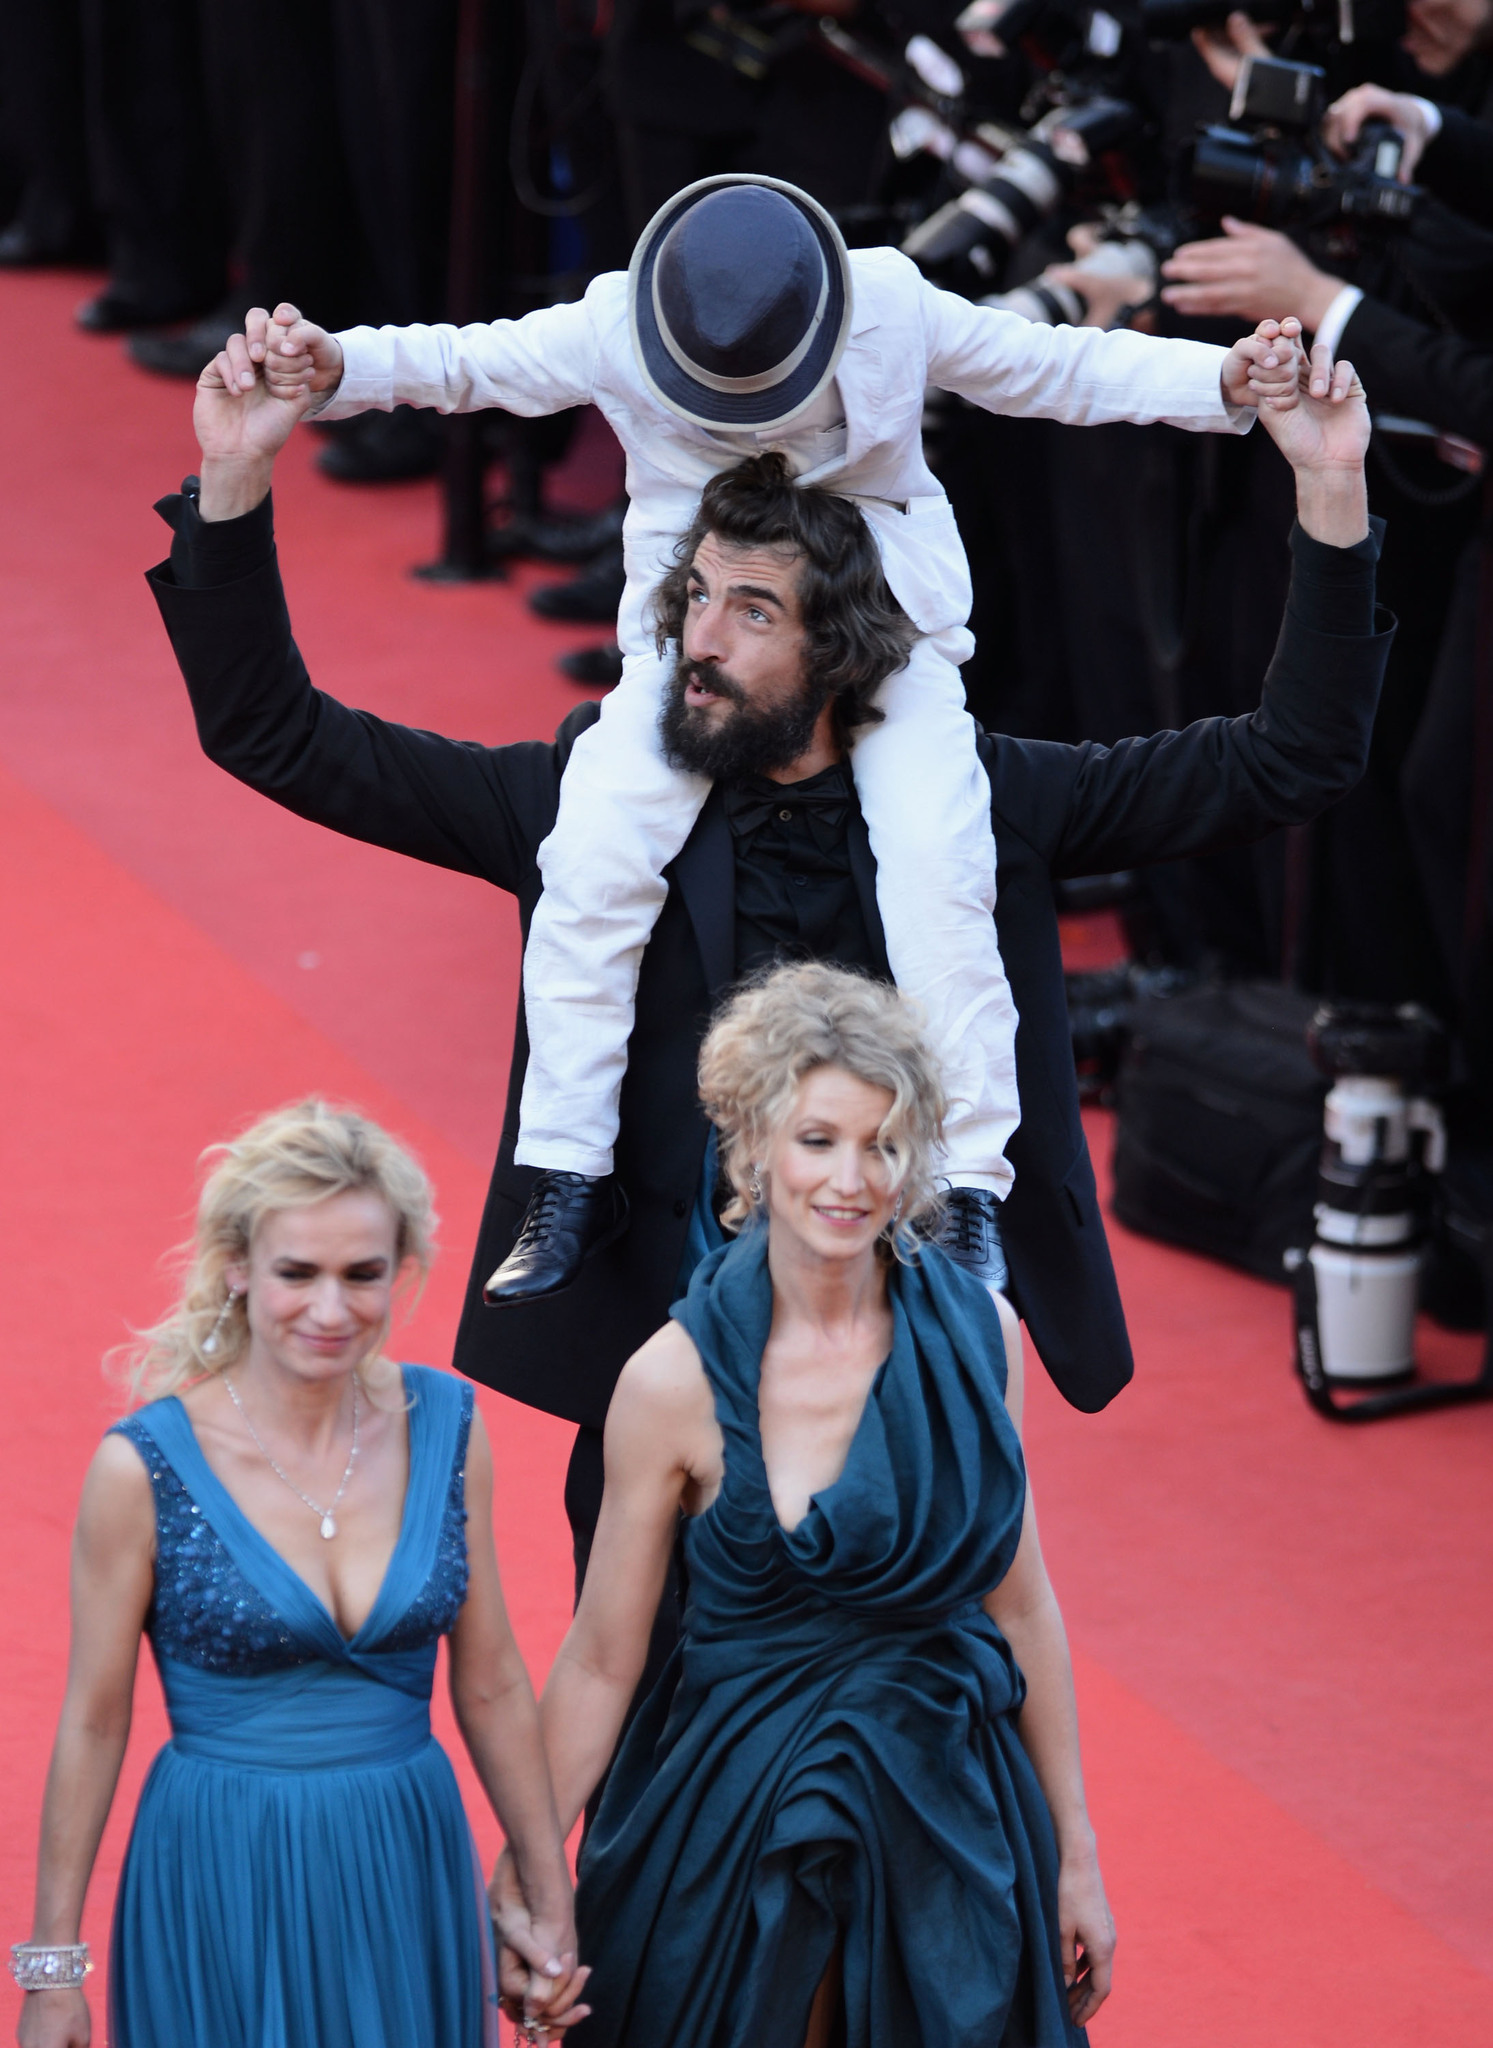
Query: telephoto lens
x,y
1024,188
1382,1136
1049,303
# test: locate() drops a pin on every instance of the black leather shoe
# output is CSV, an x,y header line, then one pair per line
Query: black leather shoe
x,y
24,247
119,312
590,599
382,447
971,1234
189,353
571,537
598,667
570,1216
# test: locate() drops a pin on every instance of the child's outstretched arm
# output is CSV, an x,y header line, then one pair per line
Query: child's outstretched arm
x,y
543,363
1084,376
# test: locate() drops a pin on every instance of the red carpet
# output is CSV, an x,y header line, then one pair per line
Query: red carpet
x,y
1283,1631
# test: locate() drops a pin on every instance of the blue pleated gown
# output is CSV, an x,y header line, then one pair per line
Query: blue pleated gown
x,y
832,1754
301,1873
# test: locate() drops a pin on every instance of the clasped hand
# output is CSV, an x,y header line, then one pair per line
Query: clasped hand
x,y
539,1979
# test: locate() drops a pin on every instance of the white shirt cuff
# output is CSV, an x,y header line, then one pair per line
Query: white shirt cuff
x,y
1336,318
1431,114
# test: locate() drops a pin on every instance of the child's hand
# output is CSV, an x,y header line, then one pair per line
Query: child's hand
x,y
297,355
1266,367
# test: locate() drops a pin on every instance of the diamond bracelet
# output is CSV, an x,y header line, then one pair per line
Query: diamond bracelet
x,y
40,1966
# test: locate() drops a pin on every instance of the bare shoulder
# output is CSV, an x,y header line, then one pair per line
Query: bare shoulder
x,y
117,1506
662,1374
479,1451
662,1407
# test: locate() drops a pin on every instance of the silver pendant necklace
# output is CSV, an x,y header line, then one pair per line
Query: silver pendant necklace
x,y
328,1514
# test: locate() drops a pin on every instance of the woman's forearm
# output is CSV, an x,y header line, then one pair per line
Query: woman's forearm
x,y
81,1781
1049,1720
501,1730
582,1712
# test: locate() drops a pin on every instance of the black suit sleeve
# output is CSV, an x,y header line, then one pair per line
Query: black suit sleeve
x,y
1410,368
1458,165
457,804
1223,781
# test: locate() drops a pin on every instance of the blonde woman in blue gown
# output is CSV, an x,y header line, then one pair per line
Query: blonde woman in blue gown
x,y
851,1814
294,1522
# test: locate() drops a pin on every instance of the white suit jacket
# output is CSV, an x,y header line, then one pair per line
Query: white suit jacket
x,y
904,336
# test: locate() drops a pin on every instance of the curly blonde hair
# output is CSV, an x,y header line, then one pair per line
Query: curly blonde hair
x,y
777,1029
302,1154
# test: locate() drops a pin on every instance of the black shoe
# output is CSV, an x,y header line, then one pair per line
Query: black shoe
x,y
24,247
971,1234
189,353
597,667
570,1216
382,447
590,599
113,311
569,537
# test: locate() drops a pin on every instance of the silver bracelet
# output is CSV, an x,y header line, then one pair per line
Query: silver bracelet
x,y
43,1966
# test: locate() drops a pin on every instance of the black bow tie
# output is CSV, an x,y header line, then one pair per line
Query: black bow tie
x,y
824,800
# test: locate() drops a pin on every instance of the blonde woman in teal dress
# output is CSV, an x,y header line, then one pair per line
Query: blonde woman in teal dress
x,y
294,1521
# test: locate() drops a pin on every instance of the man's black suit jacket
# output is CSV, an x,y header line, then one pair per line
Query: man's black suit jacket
x,y
1057,811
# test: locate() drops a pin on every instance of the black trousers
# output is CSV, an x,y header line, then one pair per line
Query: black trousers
x,y
41,118
157,181
333,121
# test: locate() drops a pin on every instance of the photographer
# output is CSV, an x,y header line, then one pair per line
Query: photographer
x,y
1426,372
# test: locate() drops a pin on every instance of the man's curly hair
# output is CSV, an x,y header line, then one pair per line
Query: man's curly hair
x,y
857,632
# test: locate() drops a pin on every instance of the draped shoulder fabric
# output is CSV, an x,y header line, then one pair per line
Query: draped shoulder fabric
x,y
301,1873
832,1756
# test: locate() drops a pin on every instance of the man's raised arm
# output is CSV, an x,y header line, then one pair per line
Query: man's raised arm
x,y
476,809
1222,782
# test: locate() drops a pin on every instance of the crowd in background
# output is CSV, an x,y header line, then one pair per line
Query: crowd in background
x,y
209,157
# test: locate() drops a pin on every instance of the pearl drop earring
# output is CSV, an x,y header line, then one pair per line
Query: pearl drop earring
x,y
212,1343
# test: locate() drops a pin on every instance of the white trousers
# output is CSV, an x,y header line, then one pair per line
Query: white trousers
x,y
625,813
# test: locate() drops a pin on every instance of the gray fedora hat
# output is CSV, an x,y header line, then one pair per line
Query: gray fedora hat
x,y
739,302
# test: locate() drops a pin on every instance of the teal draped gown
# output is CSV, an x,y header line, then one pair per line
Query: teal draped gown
x,y
832,1754
301,1873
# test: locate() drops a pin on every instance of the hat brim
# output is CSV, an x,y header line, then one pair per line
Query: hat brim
x,y
700,403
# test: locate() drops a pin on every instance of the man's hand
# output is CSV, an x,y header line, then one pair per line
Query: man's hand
x,y
1344,118
1252,273
241,427
295,352
1324,435
1264,366
1221,49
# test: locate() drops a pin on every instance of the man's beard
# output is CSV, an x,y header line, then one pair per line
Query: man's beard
x,y
752,740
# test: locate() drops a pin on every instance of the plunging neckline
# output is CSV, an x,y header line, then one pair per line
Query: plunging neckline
x,y
819,1493
257,1538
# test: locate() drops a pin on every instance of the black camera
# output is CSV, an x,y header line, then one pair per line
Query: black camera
x,y
1025,187
1269,164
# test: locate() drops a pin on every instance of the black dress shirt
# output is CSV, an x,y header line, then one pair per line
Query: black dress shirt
x,y
796,894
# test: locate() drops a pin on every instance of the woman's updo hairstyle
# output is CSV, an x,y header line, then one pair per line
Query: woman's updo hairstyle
x,y
777,1029
294,1157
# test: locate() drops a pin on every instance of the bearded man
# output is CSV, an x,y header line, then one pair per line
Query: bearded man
x,y
784,628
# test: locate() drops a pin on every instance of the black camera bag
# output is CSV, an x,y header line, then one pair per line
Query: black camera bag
x,y
1220,1123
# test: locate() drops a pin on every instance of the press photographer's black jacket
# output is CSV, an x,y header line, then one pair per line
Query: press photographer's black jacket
x,y
1457,164
1057,811
1421,372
